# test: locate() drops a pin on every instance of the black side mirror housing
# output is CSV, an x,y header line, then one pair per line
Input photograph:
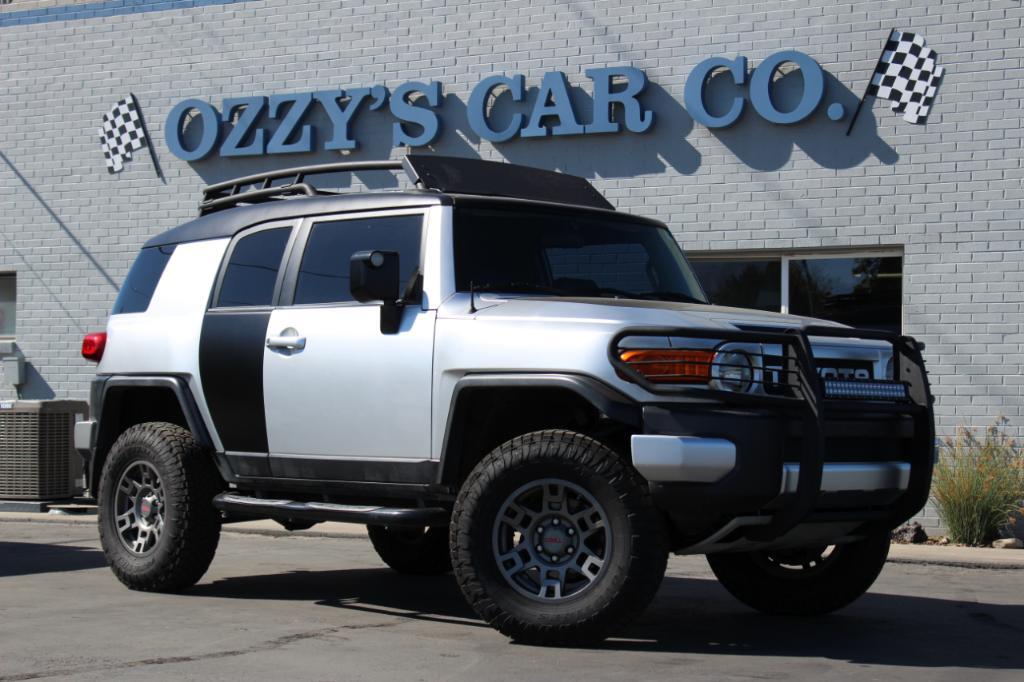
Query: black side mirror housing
x,y
375,276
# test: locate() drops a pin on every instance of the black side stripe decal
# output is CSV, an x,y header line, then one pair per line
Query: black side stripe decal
x,y
231,369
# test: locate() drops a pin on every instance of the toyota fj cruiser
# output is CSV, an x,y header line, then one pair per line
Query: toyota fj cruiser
x,y
503,377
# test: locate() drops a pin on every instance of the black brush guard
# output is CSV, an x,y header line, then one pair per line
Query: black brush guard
x,y
806,396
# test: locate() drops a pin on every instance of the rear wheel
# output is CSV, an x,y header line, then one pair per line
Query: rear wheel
x,y
419,551
158,526
806,581
555,540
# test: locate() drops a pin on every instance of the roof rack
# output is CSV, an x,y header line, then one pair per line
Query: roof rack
x,y
230,193
438,173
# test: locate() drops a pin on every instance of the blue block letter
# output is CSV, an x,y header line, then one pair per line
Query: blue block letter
x,y
477,108
553,100
637,120
761,83
251,107
279,143
693,93
175,122
405,110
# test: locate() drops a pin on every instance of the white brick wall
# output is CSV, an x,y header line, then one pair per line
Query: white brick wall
x,y
949,193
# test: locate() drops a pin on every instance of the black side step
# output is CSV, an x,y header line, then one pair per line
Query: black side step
x,y
283,510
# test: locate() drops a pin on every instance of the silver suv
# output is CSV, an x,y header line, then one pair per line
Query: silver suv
x,y
503,377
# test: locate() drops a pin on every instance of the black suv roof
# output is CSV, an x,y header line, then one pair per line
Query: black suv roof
x,y
231,206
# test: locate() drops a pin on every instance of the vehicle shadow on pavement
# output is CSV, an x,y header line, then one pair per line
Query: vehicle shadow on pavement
x,y
29,558
375,590
695,616
699,616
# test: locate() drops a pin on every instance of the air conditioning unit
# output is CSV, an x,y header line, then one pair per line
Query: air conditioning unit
x,y
38,460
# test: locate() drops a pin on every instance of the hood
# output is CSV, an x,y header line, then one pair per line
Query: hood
x,y
629,311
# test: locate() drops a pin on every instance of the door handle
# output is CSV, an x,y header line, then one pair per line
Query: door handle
x,y
287,342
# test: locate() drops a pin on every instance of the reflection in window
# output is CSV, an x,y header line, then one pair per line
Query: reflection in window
x,y
252,271
8,304
860,292
742,284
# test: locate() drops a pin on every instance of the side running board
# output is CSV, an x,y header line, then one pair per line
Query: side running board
x,y
284,510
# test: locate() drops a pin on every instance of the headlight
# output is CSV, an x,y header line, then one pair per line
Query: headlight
x,y
670,366
732,371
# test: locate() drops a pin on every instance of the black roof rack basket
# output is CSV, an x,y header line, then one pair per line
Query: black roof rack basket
x,y
436,173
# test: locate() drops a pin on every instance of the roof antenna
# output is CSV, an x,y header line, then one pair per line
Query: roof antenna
x,y
472,297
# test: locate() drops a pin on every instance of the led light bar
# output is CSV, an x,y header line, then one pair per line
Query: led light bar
x,y
842,389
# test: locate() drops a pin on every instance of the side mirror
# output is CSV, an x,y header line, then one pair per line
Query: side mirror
x,y
375,276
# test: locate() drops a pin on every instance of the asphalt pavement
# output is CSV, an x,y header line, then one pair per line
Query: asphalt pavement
x,y
325,608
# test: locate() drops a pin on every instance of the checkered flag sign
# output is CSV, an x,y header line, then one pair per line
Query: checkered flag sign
x,y
908,75
122,133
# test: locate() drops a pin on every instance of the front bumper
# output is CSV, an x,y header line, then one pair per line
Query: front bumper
x,y
786,462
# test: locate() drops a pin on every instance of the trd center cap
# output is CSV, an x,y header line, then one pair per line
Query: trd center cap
x,y
554,540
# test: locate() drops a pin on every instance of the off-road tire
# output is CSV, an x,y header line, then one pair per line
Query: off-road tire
x,y
416,551
191,525
838,581
634,566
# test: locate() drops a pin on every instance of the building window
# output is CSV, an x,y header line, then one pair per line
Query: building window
x,y
859,289
8,303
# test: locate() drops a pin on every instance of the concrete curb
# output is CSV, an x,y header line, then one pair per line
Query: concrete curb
x,y
955,557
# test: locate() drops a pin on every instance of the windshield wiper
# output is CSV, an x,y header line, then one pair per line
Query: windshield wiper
x,y
649,295
518,288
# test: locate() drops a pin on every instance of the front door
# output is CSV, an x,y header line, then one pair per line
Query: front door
x,y
342,400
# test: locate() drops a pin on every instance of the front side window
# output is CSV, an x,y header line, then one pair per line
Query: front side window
x,y
139,285
569,254
324,274
251,273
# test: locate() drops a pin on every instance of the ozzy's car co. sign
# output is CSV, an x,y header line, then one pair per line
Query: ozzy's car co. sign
x,y
285,124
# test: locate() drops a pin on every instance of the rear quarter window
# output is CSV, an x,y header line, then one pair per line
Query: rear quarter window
x,y
138,287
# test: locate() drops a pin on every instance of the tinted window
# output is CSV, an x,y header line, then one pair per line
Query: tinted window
x,y
142,279
742,284
324,274
569,254
252,271
860,292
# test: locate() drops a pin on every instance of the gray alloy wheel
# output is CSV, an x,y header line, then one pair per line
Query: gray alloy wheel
x,y
551,539
158,526
555,539
139,508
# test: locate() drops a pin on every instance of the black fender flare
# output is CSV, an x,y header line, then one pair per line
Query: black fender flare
x,y
106,397
609,401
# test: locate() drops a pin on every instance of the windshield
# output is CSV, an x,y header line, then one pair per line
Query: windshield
x,y
569,254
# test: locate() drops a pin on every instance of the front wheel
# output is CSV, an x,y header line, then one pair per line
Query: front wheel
x,y
807,581
555,540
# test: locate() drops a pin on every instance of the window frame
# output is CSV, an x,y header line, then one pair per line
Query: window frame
x,y
290,278
13,274
229,252
784,258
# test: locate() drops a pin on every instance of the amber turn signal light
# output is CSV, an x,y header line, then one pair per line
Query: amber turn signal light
x,y
670,366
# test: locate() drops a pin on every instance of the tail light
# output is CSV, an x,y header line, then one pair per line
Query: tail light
x,y
93,345
670,366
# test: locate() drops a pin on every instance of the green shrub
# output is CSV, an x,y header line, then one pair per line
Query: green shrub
x,y
978,483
